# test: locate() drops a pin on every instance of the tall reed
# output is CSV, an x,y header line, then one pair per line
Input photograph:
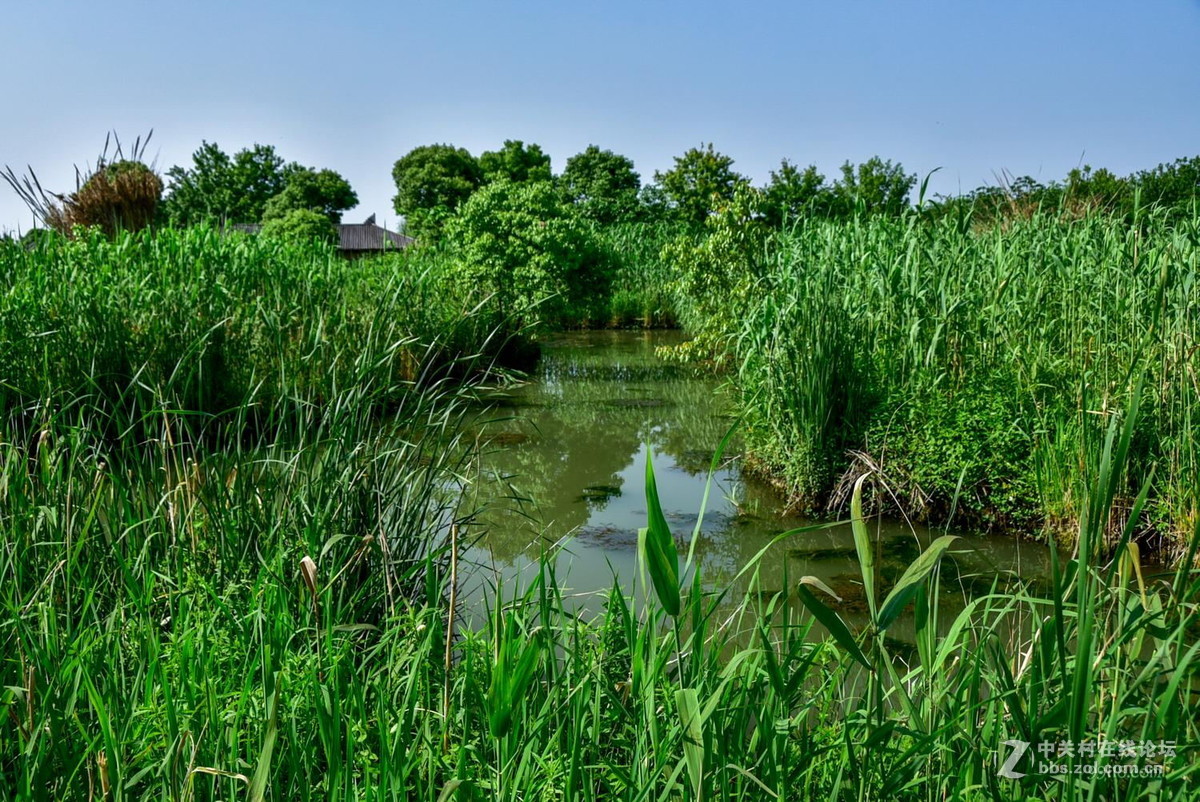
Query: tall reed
x,y
971,366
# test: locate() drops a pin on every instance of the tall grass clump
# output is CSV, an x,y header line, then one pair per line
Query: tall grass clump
x,y
230,473
206,321
181,620
639,290
120,192
967,365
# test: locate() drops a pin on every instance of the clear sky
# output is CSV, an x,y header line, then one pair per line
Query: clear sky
x,y
969,86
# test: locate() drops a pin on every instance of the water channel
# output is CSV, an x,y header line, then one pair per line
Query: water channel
x,y
563,475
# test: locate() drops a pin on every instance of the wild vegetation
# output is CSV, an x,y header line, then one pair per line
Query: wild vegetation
x,y
966,366
234,472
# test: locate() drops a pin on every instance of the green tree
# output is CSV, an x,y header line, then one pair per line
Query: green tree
x,y
874,187
432,181
535,257
223,189
716,275
515,162
1175,184
322,191
793,193
701,181
300,224
1089,189
603,185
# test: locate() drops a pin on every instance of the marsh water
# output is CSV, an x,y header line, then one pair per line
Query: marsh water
x,y
563,475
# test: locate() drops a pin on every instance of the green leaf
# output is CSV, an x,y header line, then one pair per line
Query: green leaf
x,y
830,620
916,573
516,663
258,785
448,790
658,546
688,704
862,544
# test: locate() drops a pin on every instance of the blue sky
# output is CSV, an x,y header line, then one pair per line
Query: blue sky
x,y
972,87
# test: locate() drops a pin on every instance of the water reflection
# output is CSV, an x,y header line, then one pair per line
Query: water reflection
x,y
563,473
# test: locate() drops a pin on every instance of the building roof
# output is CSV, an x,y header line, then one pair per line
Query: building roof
x,y
356,237
369,237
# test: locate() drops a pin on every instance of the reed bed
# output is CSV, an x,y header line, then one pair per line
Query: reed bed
x,y
967,366
277,622
213,322
232,483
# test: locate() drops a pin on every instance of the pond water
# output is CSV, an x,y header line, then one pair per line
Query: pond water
x,y
563,473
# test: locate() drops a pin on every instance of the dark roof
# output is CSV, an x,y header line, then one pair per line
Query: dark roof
x,y
369,237
357,237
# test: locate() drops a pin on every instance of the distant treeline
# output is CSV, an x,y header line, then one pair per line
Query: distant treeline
x,y
257,186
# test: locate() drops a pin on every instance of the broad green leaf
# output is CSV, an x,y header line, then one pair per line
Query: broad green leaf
x,y
448,790
911,580
831,621
688,704
863,545
258,785
658,546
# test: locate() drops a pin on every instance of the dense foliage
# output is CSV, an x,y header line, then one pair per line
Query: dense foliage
x,y
520,250
432,181
602,184
515,162
969,367
321,191
223,189
701,181
205,321
235,477
298,224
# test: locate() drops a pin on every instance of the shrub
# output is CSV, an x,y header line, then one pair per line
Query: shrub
x,y
118,194
536,258
302,225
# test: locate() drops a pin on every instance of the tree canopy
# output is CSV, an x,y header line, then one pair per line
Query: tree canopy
x,y
792,193
321,191
699,183
518,243
432,181
300,224
602,184
1173,184
224,189
876,187
515,162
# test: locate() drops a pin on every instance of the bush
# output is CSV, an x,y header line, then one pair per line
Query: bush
x,y
532,254
302,225
121,196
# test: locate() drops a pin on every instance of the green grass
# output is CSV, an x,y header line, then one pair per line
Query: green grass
x,y
640,294
162,641
231,495
967,366
210,323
